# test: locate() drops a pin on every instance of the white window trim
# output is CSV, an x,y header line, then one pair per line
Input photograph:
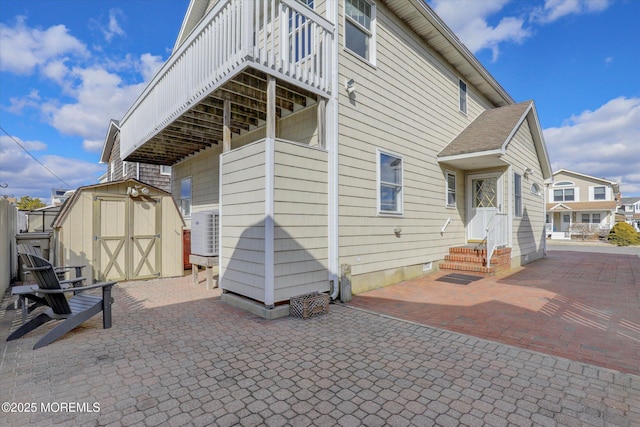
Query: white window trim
x,y
466,96
190,178
124,169
576,195
113,170
400,212
165,173
592,193
446,189
372,33
517,214
564,184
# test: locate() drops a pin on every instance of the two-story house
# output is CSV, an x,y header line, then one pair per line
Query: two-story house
x,y
158,176
579,203
346,135
630,208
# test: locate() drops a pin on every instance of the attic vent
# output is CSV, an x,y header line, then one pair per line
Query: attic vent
x,y
205,227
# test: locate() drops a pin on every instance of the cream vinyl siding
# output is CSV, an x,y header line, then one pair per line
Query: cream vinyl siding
x,y
528,231
204,167
300,214
299,218
242,234
409,105
584,186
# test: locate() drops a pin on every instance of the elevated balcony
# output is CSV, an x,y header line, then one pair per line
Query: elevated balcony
x,y
221,69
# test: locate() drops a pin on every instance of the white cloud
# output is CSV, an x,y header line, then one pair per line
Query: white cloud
x,y
556,9
100,96
114,27
25,177
602,143
24,48
149,65
469,21
32,100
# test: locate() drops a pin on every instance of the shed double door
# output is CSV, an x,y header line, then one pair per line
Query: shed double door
x,y
126,238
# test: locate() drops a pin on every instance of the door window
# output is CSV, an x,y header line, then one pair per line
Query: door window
x,y
485,192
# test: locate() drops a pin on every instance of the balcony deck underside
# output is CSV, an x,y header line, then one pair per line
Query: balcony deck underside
x,y
201,126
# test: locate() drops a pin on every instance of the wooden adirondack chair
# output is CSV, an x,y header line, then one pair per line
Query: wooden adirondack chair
x,y
79,308
28,300
60,270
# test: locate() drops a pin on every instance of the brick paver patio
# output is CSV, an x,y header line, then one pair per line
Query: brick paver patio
x,y
177,355
579,305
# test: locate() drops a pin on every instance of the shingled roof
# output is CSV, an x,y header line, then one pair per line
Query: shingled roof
x,y
488,132
582,206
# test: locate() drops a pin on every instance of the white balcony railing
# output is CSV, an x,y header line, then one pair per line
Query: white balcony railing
x,y
281,37
496,234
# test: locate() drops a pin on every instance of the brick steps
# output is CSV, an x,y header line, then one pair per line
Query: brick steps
x,y
474,260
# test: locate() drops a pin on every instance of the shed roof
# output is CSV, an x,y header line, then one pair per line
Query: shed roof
x,y
70,202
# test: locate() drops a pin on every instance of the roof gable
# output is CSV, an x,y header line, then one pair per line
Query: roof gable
x,y
490,133
109,140
587,177
68,204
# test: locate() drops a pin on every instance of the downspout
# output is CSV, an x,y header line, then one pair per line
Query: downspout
x,y
332,146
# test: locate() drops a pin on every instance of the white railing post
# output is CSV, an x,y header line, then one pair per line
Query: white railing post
x,y
247,30
496,234
232,32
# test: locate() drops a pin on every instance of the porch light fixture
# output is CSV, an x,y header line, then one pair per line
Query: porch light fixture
x,y
350,86
135,191
528,171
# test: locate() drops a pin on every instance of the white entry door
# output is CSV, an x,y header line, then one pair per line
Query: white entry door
x,y
484,198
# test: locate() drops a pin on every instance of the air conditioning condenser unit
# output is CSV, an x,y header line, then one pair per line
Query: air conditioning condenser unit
x,y
205,229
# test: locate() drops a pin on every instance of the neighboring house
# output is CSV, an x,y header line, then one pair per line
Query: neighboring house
x,y
60,195
579,203
347,134
630,208
158,176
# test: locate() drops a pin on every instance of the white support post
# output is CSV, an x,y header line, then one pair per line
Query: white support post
x,y
269,285
226,123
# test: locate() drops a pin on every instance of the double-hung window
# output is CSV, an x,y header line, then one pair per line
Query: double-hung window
x,y
599,193
359,28
389,183
185,197
451,189
563,195
517,195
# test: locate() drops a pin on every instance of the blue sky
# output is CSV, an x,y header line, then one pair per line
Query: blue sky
x,y
68,66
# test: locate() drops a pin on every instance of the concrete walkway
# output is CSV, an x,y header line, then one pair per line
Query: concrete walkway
x,y
177,355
